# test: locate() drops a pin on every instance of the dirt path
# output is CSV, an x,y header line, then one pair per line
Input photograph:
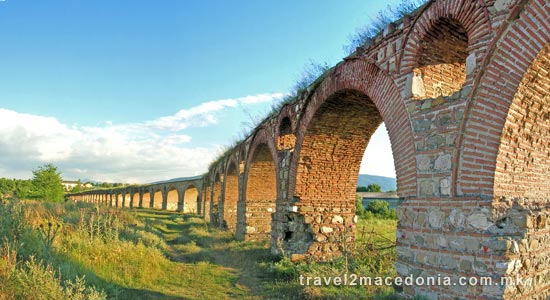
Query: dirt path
x,y
189,240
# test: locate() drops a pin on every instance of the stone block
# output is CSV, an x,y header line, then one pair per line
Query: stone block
x,y
417,86
470,63
427,188
443,162
337,220
326,229
457,218
478,220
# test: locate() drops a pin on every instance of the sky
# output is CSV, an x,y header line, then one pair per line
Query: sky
x,y
141,91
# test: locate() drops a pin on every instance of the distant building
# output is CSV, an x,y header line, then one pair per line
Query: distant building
x,y
69,185
367,197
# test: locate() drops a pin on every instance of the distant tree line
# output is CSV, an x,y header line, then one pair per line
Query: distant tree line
x,y
46,184
371,188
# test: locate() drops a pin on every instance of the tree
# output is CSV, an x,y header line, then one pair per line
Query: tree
x,y
47,183
77,188
23,189
374,188
361,189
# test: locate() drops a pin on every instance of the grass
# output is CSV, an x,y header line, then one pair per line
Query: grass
x,y
106,253
382,19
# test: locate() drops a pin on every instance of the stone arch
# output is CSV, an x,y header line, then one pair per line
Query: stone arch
x,y
231,195
347,107
135,198
191,199
158,198
255,209
441,50
172,199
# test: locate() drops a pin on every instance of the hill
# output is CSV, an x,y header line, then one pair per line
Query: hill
x,y
386,183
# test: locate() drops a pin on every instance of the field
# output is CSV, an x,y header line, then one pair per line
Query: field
x,y
81,251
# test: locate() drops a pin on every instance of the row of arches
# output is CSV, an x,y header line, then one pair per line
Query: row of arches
x,y
241,196
169,198
464,93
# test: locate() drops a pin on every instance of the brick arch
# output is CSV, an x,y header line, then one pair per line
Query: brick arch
x,y
286,112
191,198
329,129
493,98
366,78
287,139
231,194
472,15
254,210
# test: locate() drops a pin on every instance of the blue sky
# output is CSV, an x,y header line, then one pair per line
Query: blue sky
x,y
138,91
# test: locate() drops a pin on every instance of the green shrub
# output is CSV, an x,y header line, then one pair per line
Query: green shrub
x,y
379,207
359,209
34,281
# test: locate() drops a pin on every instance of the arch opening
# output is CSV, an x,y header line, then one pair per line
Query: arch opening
x,y
120,198
127,200
286,139
135,200
329,161
231,197
157,199
441,62
172,199
146,200
260,196
190,199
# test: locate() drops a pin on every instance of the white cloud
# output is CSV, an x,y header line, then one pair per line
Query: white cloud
x,y
136,152
204,114
260,98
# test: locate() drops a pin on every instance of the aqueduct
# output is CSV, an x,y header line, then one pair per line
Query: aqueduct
x,y
181,194
463,87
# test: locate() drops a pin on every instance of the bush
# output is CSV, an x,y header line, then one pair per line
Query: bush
x,y
359,209
381,209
